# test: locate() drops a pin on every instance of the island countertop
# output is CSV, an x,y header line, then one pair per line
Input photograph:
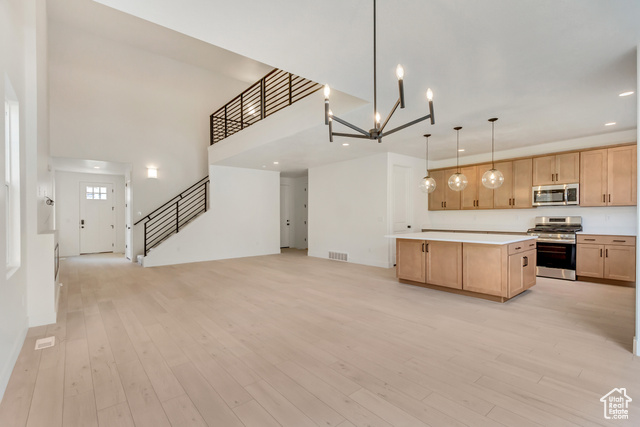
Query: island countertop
x,y
483,239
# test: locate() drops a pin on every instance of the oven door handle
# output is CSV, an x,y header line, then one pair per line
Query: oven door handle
x,y
563,241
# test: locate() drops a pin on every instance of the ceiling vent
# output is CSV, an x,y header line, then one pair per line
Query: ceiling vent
x,y
45,343
338,256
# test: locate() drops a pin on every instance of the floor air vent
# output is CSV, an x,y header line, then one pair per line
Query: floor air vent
x,y
45,343
338,256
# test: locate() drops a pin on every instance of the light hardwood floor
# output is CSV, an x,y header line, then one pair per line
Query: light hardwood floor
x,y
296,341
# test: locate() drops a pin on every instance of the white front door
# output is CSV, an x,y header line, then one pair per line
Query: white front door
x,y
285,216
97,218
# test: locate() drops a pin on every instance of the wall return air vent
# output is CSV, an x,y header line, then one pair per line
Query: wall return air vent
x,y
338,256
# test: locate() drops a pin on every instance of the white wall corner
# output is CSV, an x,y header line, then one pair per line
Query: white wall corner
x,y
7,369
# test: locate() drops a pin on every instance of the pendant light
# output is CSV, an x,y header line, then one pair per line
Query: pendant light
x,y
458,181
428,184
492,178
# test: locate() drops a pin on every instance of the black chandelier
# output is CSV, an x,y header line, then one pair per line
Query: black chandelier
x,y
377,133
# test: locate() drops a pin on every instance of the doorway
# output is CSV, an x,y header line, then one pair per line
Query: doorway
x,y
286,215
97,217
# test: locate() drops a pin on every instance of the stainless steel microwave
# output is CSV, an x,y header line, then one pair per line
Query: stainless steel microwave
x,y
556,195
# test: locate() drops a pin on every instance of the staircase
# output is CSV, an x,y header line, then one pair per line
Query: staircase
x,y
169,218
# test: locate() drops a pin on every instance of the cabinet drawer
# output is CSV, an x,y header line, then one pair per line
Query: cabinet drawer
x,y
527,245
607,240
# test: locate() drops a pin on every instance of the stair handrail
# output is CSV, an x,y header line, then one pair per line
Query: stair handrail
x,y
172,200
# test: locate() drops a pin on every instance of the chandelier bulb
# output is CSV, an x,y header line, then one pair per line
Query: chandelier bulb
x,y
327,91
400,72
429,94
378,118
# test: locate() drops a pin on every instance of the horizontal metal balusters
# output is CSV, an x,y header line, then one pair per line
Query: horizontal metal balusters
x,y
169,218
272,93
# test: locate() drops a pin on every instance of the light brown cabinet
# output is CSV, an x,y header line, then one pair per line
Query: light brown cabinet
x,y
606,257
443,198
515,192
476,195
411,260
436,263
444,264
608,177
557,169
522,272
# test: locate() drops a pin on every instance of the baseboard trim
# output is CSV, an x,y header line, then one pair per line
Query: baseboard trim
x,y
7,370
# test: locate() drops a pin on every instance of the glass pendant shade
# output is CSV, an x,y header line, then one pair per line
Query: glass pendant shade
x,y
458,181
427,185
492,179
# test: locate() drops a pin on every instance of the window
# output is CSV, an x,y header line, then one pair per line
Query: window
x,y
12,184
96,193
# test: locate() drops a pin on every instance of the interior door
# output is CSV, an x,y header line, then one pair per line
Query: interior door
x,y
285,216
401,199
97,218
128,250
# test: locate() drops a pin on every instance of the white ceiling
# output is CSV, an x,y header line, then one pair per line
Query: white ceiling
x,y
64,164
550,70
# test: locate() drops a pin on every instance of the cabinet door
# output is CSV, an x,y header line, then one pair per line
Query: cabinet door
x,y
410,260
567,168
522,171
436,199
544,170
451,197
485,269
469,195
622,176
620,263
593,178
502,195
522,272
444,264
590,260
485,195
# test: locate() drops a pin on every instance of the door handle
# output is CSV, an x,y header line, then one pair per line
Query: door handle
x,y
600,253
609,198
556,177
604,198
525,261
422,246
606,253
514,201
552,178
619,241
427,250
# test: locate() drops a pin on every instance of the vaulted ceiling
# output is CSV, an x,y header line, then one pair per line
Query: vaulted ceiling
x,y
550,70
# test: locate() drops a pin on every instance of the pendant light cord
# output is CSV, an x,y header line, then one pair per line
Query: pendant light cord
x,y
375,85
493,164
427,162
458,150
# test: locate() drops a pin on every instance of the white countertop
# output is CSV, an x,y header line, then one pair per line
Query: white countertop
x,y
609,231
485,239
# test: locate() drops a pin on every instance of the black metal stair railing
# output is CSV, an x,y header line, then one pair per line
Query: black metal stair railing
x,y
169,218
270,94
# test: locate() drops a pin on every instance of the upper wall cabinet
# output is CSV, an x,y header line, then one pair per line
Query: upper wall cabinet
x,y
608,177
443,198
476,195
557,169
515,192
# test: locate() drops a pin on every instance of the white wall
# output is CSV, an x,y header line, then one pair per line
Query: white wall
x,y
299,210
636,340
27,297
243,220
348,210
68,209
113,102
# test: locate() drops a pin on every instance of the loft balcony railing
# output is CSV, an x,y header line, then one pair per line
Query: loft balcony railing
x,y
270,94
169,218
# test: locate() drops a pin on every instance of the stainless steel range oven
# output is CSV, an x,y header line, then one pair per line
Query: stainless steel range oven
x,y
556,252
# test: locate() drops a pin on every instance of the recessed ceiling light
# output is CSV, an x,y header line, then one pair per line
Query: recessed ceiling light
x,y
627,93
264,166
345,144
461,149
96,167
275,163
610,124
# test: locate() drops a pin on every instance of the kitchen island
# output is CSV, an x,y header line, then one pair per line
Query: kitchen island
x,y
490,266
